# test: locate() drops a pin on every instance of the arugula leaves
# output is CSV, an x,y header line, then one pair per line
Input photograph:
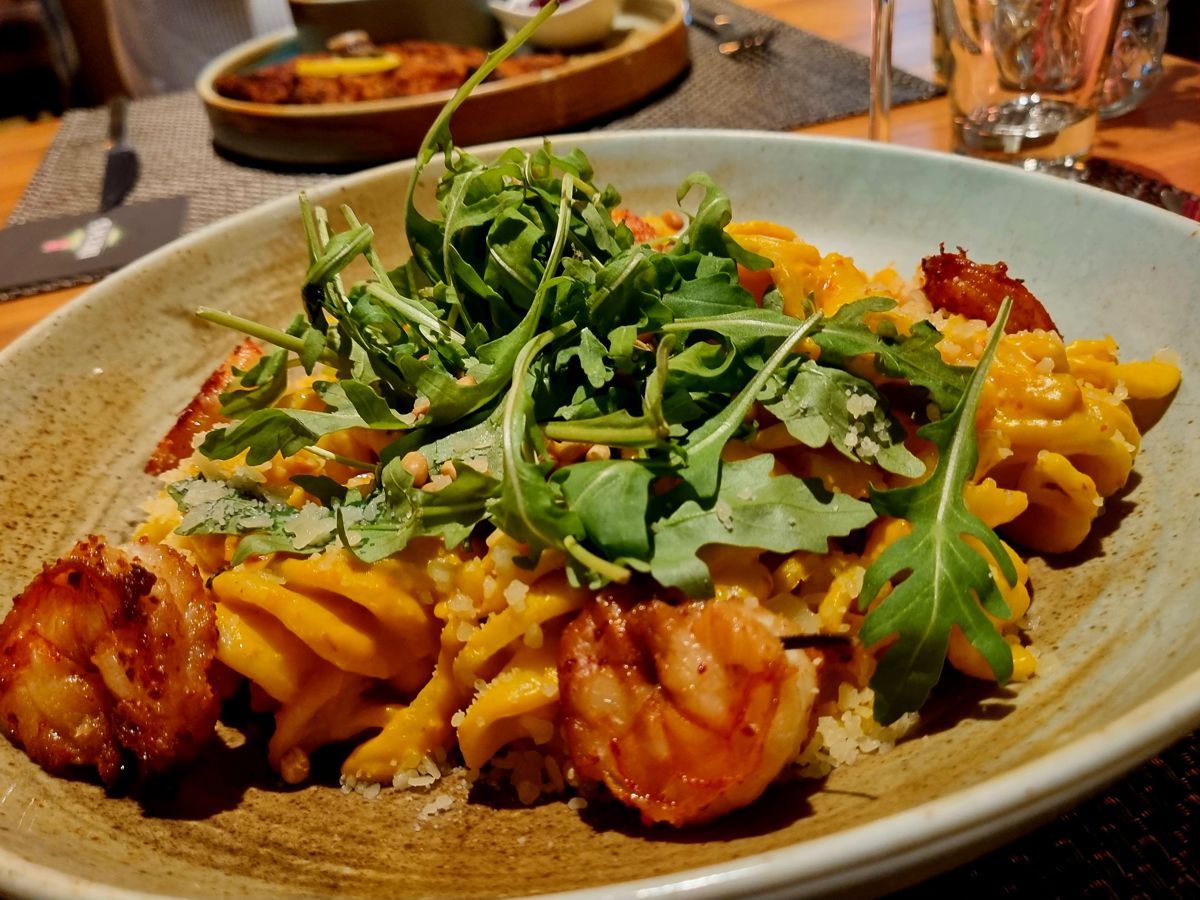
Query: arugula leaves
x,y
706,231
611,499
528,328
915,357
947,581
265,432
821,405
752,509
703,447
661,353
371,527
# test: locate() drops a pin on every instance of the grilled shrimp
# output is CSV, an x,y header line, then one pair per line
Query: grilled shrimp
x,y
685,712
104,660
643,231
956,284
203,412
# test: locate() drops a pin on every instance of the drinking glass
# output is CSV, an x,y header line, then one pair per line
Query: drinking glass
x,y
1136,57
883,14
1025,76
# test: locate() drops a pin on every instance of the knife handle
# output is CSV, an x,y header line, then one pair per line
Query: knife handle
x,y
118,108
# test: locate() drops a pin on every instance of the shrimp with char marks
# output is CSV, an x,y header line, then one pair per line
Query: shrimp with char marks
x,y
685,712
957,284
105,658
203,412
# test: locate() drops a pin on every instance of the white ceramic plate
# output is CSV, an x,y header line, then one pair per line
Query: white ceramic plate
x,y
87,393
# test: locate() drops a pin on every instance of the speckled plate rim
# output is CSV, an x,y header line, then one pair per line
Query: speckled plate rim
x,y
953,827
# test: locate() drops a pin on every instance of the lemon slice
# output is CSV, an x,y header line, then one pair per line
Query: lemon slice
x,y
333,66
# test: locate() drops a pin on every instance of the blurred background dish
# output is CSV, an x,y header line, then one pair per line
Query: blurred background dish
x,y
646,49
465,22
576,24
355,69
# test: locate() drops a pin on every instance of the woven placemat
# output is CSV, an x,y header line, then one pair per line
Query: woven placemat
x,y
175,152
1136,841
799,79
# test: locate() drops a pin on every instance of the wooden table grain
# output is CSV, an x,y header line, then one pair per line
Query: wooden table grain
x,y
1160,138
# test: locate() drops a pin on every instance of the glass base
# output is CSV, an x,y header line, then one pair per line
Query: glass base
x,y
1034,133
1126,96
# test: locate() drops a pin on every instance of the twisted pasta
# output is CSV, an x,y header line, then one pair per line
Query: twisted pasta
x,y
430,649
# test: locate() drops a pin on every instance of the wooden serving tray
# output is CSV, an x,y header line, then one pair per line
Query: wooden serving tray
x,y
647,49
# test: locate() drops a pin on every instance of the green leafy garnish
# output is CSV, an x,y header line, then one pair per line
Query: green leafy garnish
x,y
703,447
532,369
372,528
527,319
752,509
947,582
914,357
821,405
611,499
266,432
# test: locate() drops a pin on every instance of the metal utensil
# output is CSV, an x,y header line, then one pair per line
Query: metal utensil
x,y
121,167
732,39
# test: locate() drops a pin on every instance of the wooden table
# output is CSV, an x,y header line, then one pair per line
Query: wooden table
x,y
1162,137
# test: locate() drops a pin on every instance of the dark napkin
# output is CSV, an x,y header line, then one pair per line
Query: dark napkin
x,y
69,249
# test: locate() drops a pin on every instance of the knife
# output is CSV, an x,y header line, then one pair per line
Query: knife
x,y
121,167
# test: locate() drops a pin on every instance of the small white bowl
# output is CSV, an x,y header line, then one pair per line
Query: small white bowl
x,y
575,24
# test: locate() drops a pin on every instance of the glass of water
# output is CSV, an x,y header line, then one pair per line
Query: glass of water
x,y
1136,57
1026,75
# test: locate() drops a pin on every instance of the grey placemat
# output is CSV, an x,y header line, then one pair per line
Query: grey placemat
x,y
1136,841
800,79
174,145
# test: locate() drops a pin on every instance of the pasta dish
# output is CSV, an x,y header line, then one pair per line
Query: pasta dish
x,y
660,509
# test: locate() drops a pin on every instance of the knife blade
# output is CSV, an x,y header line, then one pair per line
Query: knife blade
x,y
121,166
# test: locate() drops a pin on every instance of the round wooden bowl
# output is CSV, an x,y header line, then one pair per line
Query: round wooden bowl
x,y
647,49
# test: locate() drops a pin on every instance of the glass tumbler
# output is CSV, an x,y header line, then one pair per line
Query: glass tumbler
x,y
1025,76
1136,57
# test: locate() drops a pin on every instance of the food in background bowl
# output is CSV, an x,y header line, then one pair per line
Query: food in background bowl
x,y
401,69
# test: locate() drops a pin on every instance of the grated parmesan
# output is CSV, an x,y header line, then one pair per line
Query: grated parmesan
x,y
515,594
312,524
840,739
860,405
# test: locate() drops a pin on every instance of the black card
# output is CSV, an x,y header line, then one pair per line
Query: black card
x,y
77,248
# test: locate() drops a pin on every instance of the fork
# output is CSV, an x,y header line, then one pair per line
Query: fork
x,y
731,39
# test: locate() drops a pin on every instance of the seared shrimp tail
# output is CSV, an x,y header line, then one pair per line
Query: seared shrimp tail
x,y
957,284
105,658
685,712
